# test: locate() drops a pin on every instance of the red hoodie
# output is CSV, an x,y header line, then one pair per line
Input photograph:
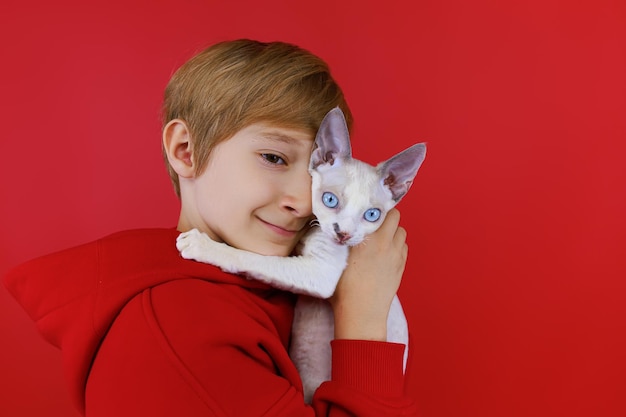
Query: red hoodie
x,y
145,332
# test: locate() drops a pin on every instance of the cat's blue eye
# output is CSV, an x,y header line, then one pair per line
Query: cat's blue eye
x,y
372,215
330,200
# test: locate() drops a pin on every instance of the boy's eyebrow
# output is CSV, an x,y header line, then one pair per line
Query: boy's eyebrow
x,y
280,137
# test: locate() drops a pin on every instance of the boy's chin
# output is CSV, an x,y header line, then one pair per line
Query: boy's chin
x,y
270,249
277,251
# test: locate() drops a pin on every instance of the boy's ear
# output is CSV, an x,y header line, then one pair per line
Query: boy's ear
x,y
177,145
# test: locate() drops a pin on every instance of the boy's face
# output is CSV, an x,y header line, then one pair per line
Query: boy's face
x,y
255,193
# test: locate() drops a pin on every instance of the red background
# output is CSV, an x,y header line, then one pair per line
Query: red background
x,y
515,286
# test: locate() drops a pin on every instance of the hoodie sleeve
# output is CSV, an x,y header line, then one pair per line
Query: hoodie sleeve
x,y
144,332
197,349
367,380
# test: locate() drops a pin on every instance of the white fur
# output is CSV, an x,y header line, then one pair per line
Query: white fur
x,y
315,273
358,187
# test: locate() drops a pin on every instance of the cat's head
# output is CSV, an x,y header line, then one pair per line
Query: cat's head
x,y
351,198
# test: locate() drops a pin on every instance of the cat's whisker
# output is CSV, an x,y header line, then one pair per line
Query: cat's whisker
x,y
314,223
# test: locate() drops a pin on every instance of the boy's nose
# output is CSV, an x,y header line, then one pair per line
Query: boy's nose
x,y
297,196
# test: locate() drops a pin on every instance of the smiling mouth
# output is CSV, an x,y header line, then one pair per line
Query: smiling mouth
x,y
280,230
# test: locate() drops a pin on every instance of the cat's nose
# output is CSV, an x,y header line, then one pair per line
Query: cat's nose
x,y
342,237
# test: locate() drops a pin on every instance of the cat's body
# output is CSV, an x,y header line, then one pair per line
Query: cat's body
x,y
350,200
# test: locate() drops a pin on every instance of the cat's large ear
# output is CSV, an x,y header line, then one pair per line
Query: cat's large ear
x,y
398,172
332,140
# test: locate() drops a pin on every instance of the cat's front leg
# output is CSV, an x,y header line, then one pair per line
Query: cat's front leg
x,y
316,244
325,259
315,272
198,246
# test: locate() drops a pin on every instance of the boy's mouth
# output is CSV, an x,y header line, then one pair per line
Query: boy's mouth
x,y
288,231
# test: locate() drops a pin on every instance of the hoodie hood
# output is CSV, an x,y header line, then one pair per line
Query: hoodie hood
x,y
75,295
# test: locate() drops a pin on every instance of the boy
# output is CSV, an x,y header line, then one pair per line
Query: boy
x,y
145,332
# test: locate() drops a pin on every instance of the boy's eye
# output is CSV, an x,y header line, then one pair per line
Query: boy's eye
x,y
273,159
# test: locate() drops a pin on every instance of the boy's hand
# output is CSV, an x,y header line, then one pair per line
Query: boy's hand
x,y
369,283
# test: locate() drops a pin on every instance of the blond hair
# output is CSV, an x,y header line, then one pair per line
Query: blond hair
x,y
233,84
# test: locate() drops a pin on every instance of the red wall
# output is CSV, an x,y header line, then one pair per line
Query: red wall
x,y
515,285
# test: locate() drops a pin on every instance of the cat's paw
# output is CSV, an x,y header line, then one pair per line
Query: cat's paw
x,y
193,244
198,246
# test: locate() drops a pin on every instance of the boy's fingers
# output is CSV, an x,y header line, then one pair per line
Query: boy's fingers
x,y
391,221
400,235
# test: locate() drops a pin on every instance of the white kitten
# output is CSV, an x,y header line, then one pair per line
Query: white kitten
x,y
350,200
